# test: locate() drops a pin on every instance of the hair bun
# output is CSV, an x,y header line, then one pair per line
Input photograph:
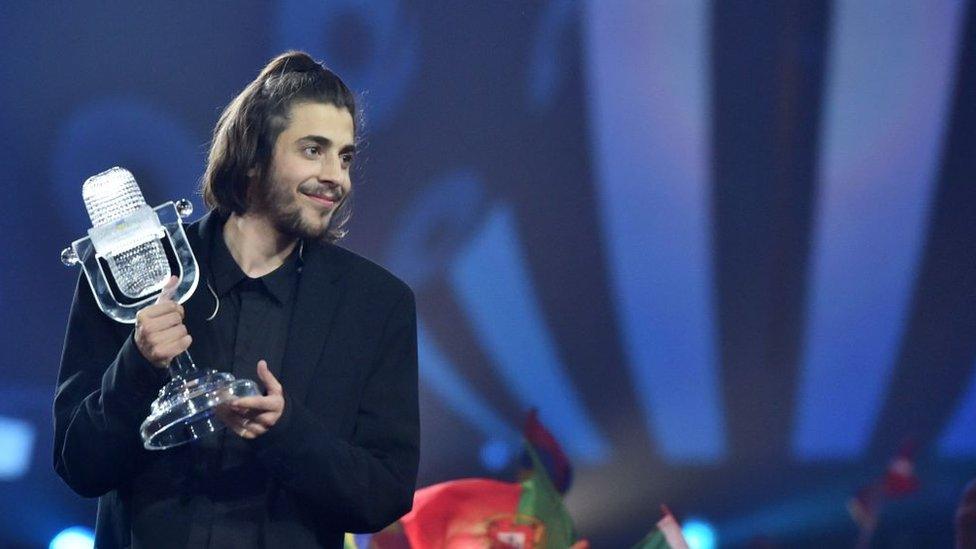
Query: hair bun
x,y
291,62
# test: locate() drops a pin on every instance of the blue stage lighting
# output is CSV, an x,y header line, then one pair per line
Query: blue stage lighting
x,y
699,534
494,285
959,438
16,443
496,454
651,159
548,68
440,375
391,64
76,537
880,167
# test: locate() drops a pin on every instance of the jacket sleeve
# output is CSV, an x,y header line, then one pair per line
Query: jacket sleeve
x,y
367,483
105,387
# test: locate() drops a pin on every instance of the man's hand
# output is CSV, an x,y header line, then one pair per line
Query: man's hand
x,y
251,417
160,334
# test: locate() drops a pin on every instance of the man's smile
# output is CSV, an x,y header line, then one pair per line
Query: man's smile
x,y
324,197
320,200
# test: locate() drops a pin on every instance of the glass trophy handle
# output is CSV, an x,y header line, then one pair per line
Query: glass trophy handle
x,y
174,241
182,366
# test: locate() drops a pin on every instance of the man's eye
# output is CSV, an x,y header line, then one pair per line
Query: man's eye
x,y
347,159
312,151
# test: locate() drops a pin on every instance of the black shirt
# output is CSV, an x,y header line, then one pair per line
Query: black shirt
x,y
252,315
250,323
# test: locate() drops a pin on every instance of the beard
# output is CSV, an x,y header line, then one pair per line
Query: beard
x,y
280,205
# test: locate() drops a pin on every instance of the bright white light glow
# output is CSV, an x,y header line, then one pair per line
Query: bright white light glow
x,y
16,444
699,534
76,537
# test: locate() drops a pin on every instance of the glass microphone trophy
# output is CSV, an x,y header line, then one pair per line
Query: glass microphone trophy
x,y
129,254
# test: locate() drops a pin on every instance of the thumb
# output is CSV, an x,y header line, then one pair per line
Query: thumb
x,y
269,380
166,294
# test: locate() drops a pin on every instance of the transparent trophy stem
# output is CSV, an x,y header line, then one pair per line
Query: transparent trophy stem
x,y
185,409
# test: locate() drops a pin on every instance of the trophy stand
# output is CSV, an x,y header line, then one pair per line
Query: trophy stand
x,y
185,408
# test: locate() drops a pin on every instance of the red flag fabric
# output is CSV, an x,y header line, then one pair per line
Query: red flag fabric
x,y
481,513
466,514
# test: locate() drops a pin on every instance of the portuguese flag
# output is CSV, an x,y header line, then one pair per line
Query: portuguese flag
x,y
477,512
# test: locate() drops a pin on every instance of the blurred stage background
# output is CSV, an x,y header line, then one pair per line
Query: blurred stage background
x,y
726,248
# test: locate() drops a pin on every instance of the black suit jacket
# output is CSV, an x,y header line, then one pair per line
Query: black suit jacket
x,y
342,457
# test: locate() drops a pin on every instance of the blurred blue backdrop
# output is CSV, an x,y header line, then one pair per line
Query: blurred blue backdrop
x,y
725,248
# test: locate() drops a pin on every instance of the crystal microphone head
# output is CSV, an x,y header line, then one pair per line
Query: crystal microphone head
x,y
137,263
110,195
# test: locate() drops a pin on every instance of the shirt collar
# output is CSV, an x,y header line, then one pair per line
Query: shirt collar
x,y
282,281
227,273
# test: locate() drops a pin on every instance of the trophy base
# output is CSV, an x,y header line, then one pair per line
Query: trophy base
x,y
184,410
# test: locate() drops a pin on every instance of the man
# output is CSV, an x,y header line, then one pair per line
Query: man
x,y
333,444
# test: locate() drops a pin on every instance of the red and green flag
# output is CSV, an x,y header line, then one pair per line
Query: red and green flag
x,y
667,534
476,512
549,452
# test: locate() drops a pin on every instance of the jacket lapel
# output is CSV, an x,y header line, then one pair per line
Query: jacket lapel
x,y
312,316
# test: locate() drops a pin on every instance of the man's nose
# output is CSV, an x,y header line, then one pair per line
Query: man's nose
x,y
329,170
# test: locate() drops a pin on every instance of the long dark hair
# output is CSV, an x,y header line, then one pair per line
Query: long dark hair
x,y
245,134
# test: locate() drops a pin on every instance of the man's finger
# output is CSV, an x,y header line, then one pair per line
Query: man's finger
x,y
246,428
176,347
238,422
269,380
161,323
250,434
265,419
166,294
243,431
262,403
164,335
159,309
245,425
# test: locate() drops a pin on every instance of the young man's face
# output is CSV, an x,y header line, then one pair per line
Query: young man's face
x,y
309,173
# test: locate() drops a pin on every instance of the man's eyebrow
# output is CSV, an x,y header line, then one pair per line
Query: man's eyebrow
x,y
325,142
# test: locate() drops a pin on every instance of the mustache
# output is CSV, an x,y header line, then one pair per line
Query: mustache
x,y
334,193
